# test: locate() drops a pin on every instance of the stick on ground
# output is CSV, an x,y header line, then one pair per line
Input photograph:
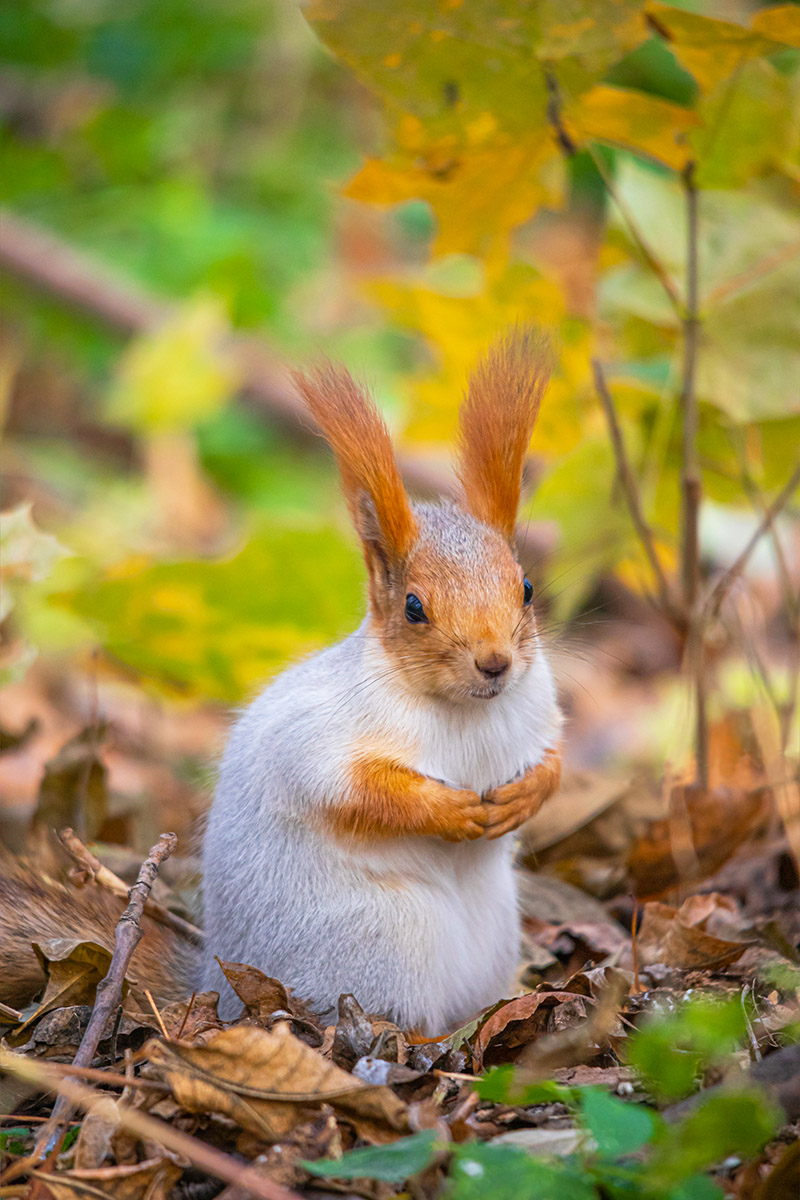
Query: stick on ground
x,y
89,865
109,991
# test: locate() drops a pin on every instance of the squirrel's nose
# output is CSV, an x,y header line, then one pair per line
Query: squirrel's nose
x,y
493,665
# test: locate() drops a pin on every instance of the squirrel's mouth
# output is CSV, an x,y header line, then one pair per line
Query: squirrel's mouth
x,y
486,693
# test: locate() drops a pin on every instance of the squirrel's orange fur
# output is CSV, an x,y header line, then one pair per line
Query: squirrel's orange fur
x,y
37,903
360,441
496,423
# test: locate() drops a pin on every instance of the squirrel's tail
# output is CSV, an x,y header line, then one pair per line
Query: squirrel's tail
x,y
37,904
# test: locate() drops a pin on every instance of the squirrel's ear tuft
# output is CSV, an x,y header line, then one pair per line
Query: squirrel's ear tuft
x,y
496,422
349,419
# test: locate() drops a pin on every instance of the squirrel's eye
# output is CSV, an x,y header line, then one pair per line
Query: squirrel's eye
x,y
415,613
527,590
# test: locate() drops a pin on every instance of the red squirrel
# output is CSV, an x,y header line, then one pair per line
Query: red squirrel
x,y
361,838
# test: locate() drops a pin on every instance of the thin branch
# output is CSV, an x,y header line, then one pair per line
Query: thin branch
x,y
88,866
630,488
109,990
690,474
208,1159
719,592
770,262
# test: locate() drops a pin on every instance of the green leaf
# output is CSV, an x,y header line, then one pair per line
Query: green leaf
x,y
670,1052
738,1123
390,1164
617,1127
221,629
500,1085
696,1187
492,1172
177,375
27,553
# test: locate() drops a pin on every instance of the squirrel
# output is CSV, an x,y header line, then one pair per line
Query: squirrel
x,y
360,836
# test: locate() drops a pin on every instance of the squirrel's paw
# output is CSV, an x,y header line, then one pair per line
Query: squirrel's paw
x,y
512,804
461,816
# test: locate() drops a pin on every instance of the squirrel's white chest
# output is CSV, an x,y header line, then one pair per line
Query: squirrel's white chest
x,y
494,741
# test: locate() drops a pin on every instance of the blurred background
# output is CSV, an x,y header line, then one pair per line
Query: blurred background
x,y
197,196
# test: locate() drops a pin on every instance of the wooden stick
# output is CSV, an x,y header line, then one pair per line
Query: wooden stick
x,y
630,488
91,867
200,1154
109,990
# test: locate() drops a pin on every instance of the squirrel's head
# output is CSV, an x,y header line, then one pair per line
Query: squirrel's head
x,y
448,598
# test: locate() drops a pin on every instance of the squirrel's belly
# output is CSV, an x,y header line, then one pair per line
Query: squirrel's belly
x,y
420,930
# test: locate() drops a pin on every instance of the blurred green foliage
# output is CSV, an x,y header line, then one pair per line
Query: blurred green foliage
x,y
197,149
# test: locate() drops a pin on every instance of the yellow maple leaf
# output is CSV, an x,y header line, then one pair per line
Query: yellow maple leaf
x,y
635,121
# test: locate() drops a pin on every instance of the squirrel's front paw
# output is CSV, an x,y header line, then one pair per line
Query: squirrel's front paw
x,y
458,815
512,804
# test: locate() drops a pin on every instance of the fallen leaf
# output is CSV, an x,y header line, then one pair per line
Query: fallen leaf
x,y
354,1034
74,970
74,787
677,937
512,1025
260,994
270,1081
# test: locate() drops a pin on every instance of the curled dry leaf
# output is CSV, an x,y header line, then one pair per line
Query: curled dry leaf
x,y
513,1025
149,1180
74,970
270,1081
678,937
354,1034
266,999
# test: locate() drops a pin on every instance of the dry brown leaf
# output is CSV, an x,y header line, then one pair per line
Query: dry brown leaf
x,y
150,1180
260,994
678,938
512,1025
192,1016
74,787
583,795
97,1134
270,1081
74,970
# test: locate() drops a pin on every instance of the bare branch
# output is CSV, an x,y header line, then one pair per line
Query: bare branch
x,y
630,488
214,1162
109,990
719,592
690,475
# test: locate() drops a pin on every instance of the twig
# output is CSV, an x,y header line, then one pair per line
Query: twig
x,y
189,1008
630,488
690,475
635,946
109,990
11,1013
90,866
158,1016
719,592
214,1162
770,262
110,1078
